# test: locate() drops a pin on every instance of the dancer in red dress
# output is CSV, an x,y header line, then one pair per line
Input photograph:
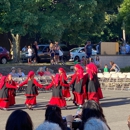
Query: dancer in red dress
x,y
31,90
4,94
94,91
77,83
57,96
63,78
11,91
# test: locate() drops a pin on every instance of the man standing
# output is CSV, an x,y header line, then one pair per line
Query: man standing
x,y
88,50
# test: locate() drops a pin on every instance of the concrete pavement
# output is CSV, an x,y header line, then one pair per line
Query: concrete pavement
x,y
116,107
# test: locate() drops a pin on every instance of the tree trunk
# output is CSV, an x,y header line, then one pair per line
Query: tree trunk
x,y
16,47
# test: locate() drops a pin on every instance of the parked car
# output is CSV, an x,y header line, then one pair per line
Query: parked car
x,y
4,55
78,53
44,55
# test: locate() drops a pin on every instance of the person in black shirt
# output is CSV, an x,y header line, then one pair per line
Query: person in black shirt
x,y
88,50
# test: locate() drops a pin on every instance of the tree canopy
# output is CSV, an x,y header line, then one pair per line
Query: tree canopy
x,y
124,14
73,21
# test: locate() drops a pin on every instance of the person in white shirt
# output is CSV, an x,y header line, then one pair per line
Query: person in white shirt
x,y
29,54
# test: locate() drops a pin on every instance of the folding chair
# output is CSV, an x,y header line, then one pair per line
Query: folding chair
x,y
113,81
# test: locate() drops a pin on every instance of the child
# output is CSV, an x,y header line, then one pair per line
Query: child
x,y
57,97
105,68
31,90
76,61
11,91
29,54
83,61
4,93
63,78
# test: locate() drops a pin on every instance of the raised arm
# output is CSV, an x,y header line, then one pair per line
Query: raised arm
x,y
23,83
37,84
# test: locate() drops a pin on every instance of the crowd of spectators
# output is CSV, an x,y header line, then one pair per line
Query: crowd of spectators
x,y
54,50
91,118
42,71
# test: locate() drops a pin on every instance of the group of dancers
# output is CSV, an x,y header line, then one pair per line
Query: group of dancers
x,y
85,86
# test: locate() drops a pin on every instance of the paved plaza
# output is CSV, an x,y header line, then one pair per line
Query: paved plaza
x,y
116,106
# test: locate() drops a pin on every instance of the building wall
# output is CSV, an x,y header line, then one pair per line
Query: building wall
x,y
121,60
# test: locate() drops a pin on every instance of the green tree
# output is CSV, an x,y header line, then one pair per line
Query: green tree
x,y
73,21
124,15
18,17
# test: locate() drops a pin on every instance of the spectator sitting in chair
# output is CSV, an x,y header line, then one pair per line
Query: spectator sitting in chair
x,y
13,73
40,71
20,73
47,72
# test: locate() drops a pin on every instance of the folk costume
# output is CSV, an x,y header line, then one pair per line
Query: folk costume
x,y
11,91
4,93
94,91
77,85
63,78
31,89
57,96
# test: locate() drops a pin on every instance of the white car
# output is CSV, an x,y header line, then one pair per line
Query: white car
x,y
79,52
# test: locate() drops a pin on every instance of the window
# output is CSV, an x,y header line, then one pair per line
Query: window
x,y
41,48
46,49
1,49
82,50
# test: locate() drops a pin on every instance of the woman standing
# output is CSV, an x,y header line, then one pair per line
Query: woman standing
x,y
92,84
63,78
57,96
11,91
77,83
4,93
31,90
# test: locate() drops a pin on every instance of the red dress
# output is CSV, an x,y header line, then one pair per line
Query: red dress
x,y
65,90
4,95
77,90
31,91
94,91
12,94
57,96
